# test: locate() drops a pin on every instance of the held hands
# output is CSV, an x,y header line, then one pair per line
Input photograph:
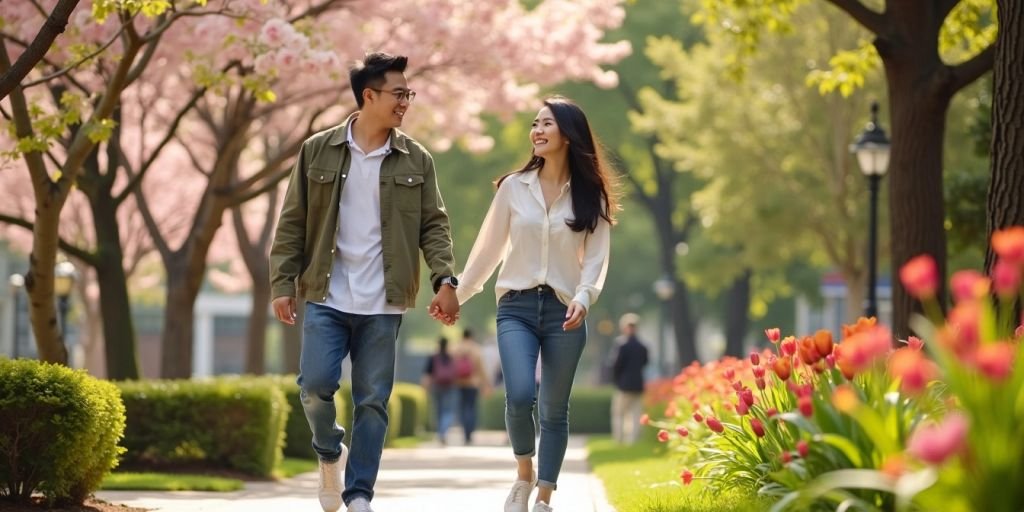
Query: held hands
x,y
574,316
284,309
445,306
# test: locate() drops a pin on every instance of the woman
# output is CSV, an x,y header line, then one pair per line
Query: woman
x,y
550,223
439,376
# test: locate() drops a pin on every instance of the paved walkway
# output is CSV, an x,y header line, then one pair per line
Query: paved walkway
x,y
423,479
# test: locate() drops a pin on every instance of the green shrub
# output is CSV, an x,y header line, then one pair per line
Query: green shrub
x,y
589,411
59,431
230,423
414,406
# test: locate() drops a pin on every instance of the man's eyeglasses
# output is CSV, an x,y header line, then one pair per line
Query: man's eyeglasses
x,y
402,94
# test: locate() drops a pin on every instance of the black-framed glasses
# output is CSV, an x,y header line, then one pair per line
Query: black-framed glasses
x,y
404,94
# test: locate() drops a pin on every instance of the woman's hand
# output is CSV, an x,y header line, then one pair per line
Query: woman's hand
x,y
574,316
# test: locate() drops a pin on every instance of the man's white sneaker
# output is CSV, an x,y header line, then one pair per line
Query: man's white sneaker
x,y
540,506
359,505
330,488
518,499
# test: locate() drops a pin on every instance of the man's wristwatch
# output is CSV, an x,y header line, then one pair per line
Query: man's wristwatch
x,y
450,281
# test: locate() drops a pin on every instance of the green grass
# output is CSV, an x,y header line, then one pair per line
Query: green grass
x,y
168,482
645,478
290,467
410,441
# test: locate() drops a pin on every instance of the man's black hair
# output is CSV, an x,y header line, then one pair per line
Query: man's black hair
x,y
371,71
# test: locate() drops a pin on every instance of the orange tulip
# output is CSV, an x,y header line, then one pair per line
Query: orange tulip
x,y
1009,244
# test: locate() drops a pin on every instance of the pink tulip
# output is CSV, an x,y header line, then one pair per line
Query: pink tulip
x,y
1009,244
968,285
913,369
682,431
1005,278
755,358
697,417
788,346
920,276
936,443
915,343
995,360
742,408
1019,332
663,435
773,334
645,419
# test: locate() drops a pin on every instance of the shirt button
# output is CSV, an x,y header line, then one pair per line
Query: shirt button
x,y
328,274
325,298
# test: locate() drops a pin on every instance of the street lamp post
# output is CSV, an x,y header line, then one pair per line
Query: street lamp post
x,y
872,150
64,279
664,289
17,282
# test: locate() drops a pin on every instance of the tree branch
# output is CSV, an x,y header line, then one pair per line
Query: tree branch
x,y
52,27
871,20
70,67
65,246
970,70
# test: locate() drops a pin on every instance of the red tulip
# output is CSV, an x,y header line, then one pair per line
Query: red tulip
x,y
757,427
663,435
697,417
806,406
755,358
802,448
682,431
687,477
773,334
920,276
786,457
715,425
788,346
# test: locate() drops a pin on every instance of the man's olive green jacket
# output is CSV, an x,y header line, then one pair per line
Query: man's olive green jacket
x,y
413,218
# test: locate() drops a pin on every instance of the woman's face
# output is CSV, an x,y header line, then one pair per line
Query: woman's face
x,y
547,139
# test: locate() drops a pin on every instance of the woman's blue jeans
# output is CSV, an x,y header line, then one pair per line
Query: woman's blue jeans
x,y
530,326
328,335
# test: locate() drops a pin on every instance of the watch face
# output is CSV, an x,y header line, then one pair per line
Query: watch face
x,y
453,280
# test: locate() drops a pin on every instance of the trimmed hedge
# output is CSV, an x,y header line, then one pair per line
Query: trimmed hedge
x,y
589,411
413,400
59,431
230,423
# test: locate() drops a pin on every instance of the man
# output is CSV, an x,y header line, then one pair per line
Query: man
x,y
361,201
628,376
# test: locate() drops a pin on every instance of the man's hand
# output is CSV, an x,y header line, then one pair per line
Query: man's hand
x,y
574,316
284,309
445,306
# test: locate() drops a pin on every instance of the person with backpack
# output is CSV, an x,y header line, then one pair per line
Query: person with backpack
x,y
471,381
439,377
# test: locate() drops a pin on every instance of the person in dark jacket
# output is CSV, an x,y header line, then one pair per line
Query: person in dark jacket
x,y
628,377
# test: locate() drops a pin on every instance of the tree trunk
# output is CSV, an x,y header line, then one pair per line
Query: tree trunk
x,y
255,360
684,327
115,304
40,279
1005,204
918,103
179,319
736,317
856,293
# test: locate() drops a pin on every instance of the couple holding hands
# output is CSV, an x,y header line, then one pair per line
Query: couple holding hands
x,y
363,202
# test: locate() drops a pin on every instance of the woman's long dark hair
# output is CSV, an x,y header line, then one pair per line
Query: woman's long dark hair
x,y
593,189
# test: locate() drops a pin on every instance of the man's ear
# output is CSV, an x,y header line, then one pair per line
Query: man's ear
x,y
368,96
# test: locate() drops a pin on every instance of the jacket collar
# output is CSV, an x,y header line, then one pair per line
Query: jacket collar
x,y
339,136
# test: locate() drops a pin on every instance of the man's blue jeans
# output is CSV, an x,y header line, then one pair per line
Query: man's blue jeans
x,y
530,325
328,335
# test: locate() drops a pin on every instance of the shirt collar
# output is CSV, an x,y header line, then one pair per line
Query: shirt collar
x,y
342,135
532,177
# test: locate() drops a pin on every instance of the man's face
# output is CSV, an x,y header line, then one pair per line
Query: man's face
x,y
389,102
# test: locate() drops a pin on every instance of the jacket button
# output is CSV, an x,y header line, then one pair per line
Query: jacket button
x,y
410,180
344,175
321,176
328,274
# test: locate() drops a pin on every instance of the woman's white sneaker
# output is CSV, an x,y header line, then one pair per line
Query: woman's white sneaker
x,y
540,506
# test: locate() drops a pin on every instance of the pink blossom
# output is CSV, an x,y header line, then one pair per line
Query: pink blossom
x,y
937,442
275,32
920,276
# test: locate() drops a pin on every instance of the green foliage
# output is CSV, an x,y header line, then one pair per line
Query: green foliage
x,y
101,9
589,411
170,482
644,477
60,431
230,423
413,401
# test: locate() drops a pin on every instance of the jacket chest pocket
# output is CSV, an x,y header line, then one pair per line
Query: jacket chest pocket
x,y
407,192
321,185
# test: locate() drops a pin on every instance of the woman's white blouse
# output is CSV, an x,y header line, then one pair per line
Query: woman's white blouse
x,y
536,245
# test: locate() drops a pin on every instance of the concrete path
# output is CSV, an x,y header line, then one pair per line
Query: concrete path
x,y
423,479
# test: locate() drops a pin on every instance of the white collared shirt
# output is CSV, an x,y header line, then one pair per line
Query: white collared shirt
x,y
536,245
357,274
